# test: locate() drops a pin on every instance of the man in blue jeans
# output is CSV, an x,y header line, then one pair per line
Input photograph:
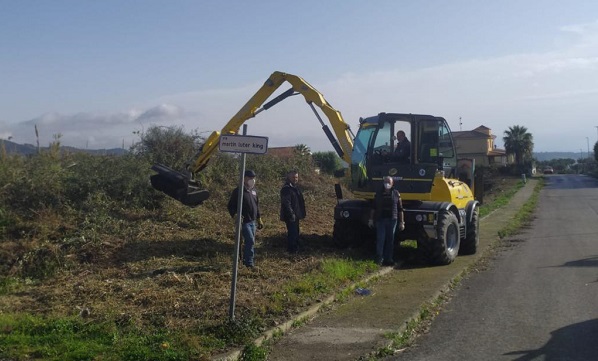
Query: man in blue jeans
x,y
292,209
251,218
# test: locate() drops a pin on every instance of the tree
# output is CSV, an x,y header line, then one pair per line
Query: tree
x,y
596,151
519,142
329,162
302,149
167,145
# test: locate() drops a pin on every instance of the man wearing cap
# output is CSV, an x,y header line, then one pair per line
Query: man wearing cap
x,y
250,215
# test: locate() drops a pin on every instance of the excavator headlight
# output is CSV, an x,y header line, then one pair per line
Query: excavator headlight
x,y
345,214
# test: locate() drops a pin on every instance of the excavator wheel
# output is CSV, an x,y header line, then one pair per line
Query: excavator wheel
x,y
444,249
470,244
176,185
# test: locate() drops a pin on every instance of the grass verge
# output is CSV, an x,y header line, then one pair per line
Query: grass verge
x,y
26,336
501,200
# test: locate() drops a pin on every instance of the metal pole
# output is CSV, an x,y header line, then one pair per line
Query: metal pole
x,y
233,286
588,140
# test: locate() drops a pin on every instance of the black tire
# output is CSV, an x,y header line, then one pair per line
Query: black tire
x,y
472,240
444,249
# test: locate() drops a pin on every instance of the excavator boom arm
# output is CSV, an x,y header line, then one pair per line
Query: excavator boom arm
x,y
252,108
172,182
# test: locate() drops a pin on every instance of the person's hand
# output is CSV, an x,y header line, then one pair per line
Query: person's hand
x,y
260,223
292,218
401,226
371,223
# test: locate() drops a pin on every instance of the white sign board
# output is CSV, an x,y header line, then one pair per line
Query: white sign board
x,y
243,144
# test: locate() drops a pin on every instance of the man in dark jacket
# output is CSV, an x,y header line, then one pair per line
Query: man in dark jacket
x,y
292,209
403,149
250,215
385,215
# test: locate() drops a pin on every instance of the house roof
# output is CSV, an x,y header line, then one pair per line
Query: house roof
x,y
497,152
483,129
479,132
281,151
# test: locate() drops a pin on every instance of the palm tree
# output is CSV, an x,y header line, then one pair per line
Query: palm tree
x,y
519,142
302,149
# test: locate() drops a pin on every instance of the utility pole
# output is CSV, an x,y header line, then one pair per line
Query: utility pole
x,y
588,140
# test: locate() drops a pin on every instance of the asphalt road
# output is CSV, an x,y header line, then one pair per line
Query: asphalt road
x,y
539,298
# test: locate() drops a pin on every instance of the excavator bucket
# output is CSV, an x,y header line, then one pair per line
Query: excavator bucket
x,y
177,186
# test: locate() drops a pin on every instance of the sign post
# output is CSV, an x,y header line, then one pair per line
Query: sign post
x,y
243,143
240,144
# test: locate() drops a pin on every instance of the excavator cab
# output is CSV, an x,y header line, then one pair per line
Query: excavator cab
x,y
426,148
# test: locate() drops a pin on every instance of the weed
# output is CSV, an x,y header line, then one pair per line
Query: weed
x,y
501,200
72,338
524,215
9,284
331,275
239,331
252,352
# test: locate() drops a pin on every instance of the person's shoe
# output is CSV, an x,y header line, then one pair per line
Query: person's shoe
x,y
379,262
388,263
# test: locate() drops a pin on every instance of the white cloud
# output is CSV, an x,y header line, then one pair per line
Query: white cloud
x,y
161,113
95,131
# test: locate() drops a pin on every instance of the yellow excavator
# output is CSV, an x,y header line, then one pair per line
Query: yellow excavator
x,y
441,212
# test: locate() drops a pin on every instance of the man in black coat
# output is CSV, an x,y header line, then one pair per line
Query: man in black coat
x,y
292,209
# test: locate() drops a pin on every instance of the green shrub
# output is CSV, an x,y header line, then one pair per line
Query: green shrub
x,y
167,145
121,178
329,162
34,183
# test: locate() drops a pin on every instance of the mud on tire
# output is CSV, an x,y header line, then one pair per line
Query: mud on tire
x,y
444,249
472,239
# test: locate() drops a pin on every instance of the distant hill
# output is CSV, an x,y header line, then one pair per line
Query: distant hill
x,y
542,156
12,148
25,149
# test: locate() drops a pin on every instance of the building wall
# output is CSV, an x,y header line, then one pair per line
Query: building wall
x,y
480,147
467,146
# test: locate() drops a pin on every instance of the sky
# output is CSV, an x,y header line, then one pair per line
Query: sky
x,y
99,73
